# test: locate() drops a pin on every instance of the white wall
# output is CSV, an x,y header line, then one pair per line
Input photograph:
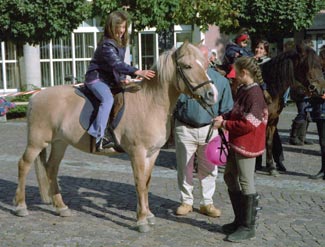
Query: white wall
x,y
31,69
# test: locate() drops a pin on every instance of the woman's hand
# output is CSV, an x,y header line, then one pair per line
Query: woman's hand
x,y
148,74
218,122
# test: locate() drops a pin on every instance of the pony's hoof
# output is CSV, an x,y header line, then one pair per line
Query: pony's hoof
x,y
143,226
64,212
21,212
151,219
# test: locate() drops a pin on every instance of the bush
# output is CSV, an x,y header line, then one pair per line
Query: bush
x,y
18,112
20,98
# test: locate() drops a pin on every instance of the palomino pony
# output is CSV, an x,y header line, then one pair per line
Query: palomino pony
x,y
53,118
298,68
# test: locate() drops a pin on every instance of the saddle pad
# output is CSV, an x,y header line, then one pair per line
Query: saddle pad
x,y
90,108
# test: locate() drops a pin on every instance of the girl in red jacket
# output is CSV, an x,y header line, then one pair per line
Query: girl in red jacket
x,y
246,124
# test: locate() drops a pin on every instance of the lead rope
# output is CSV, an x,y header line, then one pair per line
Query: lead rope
x,y
224,147
212,114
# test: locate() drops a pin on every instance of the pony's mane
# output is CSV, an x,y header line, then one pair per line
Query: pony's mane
x,y
278,73
165,66
165,72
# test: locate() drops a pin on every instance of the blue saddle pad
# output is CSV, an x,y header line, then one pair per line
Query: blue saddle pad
x,y
90,108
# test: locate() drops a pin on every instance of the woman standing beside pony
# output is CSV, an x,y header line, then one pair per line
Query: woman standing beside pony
x,y
107,70
247,121
262,56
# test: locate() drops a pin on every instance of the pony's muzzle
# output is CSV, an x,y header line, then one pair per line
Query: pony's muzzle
x,y
211,95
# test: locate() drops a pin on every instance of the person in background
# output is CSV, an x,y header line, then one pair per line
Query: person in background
x,y
5,106
192,124
234,50
107,70
317,115
262,52
247,121
262,56
213,58
301,122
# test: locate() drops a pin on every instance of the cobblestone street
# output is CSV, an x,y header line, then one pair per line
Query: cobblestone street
x,y
100,191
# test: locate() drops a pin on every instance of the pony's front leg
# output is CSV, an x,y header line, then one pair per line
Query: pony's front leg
x,y
142,168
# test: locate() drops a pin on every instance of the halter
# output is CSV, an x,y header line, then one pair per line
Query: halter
x,y
197,97
186,81
312,89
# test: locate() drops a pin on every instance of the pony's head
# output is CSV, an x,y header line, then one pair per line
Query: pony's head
x,y
297,68
309,70
191,76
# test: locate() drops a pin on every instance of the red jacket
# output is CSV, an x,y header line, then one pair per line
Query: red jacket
x,y
247,121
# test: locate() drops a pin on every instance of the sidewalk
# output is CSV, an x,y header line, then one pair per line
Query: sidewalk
x,y
100,191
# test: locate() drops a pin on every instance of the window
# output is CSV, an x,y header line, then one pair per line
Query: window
x,y
65,61
183,33
148,49
9,73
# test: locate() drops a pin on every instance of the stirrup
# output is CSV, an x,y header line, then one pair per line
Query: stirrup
x,y
103,144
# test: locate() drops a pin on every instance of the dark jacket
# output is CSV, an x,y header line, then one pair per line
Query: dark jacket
x,y
108,64
230,53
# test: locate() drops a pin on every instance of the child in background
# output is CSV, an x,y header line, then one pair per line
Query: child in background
x,y
234,50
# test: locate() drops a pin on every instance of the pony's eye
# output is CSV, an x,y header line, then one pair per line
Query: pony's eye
x,y
186,66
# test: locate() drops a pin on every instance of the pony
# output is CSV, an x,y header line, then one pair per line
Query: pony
x,y
53,119
299,69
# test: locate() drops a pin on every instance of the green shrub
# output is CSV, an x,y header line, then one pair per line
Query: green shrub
x,y
20,98
18,112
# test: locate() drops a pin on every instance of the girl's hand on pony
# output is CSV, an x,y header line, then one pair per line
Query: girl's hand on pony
x,y
148,74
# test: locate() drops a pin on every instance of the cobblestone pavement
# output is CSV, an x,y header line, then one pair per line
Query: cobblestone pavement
x,y
100,191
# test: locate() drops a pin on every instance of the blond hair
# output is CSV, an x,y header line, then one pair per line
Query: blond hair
x,y
250,64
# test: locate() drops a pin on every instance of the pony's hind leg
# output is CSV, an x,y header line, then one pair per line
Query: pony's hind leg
x,y
24,165
48,182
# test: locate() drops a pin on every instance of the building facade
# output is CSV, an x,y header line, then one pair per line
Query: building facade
x,y
65,61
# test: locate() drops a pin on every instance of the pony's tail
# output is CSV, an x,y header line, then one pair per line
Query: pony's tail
x,y
43,182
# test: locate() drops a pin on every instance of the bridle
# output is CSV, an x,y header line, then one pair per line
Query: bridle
x,y
189,86
192,89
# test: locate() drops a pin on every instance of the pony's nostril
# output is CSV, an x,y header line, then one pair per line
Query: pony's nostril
x,y
211,96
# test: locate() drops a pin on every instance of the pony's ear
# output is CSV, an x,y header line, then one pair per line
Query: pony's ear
x,y
184,45
186,42
199,43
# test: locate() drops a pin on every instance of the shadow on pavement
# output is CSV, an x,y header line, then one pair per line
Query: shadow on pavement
x,y
102,199
301,150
